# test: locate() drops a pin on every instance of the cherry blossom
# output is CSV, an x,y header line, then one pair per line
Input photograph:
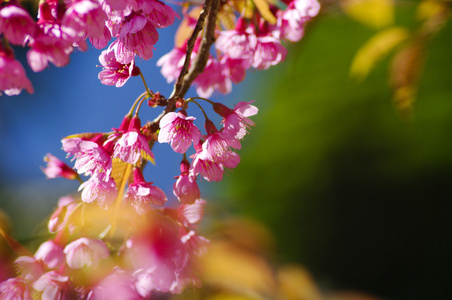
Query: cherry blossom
x,y
16,24
85,252
178,130
56,168
185,188
12,75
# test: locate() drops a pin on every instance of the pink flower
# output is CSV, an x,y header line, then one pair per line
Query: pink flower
x,y
185,188
190,214
85,252
15,24
138,35
210,171
14,289
51,254
118,285
235,121
142,194
133,146
84,17
234,68
48,45
29,268
268,52
238,43
307,8
114,72
178,130
212,78
53,286
172,63
90,157
101,41
160,14
56,168
58,220
159,256
12,75
101,190
217,143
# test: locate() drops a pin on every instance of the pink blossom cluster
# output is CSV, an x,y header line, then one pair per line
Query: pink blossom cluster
x,y
62,26
118,239
248,45
157,257
159,250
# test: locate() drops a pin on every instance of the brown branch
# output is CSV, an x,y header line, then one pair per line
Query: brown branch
x,y
208,38
188,75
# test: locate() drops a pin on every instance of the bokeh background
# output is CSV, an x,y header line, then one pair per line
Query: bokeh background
x,y
349,185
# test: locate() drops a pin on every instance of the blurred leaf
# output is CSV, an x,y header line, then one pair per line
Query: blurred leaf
x,y
405,70
295,283
375,49
264,9
227,18
231,268
373,13
429,8
118,171
184,31
87,135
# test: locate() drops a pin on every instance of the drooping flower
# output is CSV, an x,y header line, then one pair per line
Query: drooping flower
x,y
239,43
235,121
14,289
178,130
48,45
210,171
29,268
268,52
185,188
172,63
213,78
56,168
51,254
84,17
142,194
138,35
85,252
118,285
12,75
53,285
60,217
15,24
132,146
102,190
159,256
217,143
114,72
91,158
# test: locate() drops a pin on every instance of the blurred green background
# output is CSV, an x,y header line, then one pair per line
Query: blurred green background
x,y
357,194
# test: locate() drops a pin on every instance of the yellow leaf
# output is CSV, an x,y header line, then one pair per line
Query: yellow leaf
x,y
236,270
429,8
295,283
375,49
227,18
118,171
88,135
373,13
184,31
264,9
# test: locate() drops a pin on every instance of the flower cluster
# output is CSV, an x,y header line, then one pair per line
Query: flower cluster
x,y
254,42
64,25
118,238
